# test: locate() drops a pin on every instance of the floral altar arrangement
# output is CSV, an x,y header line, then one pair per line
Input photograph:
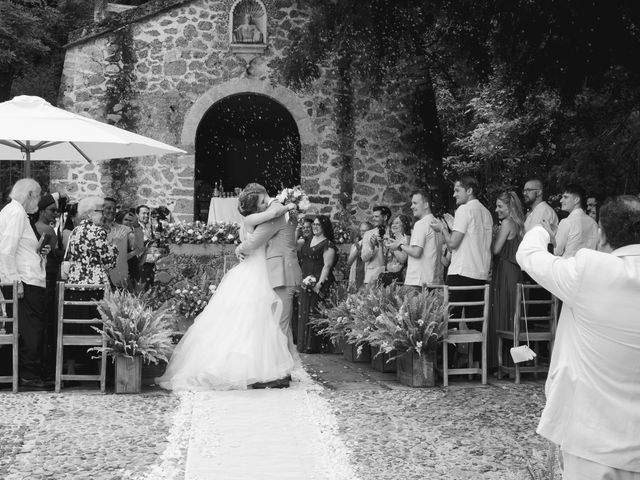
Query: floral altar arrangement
x,y
132,329
179,233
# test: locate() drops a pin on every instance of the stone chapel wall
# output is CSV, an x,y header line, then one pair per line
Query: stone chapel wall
x,y
148,75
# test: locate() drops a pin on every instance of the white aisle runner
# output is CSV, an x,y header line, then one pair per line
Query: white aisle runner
x,y
266,434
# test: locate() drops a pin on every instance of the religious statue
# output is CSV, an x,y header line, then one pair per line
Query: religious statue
x,y
247,32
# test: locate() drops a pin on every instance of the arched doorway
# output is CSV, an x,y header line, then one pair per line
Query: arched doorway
x,y
243,138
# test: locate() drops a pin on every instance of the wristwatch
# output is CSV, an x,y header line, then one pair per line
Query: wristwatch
x,y
400,247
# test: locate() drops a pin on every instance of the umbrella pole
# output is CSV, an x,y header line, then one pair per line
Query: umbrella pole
x,y
27,162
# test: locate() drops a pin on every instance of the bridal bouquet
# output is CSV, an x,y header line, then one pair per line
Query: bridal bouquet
x,y
294,195
309,282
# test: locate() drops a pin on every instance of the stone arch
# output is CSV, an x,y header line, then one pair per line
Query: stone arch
x,y
282,95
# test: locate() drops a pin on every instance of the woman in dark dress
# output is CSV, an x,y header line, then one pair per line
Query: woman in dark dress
x,y
318,256
506,271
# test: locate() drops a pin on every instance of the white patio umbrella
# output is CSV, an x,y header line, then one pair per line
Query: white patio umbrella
x,y
33,129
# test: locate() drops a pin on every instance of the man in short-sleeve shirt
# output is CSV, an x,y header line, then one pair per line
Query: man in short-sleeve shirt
x,y
423,263
470,241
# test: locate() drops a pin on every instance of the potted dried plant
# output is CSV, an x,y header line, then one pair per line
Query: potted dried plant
x,y
412,324
134,333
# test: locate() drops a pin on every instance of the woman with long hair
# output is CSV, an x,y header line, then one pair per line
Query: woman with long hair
x,y
318,256
506,271
396,260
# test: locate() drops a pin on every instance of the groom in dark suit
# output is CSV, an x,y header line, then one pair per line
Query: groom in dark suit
x,y
279,236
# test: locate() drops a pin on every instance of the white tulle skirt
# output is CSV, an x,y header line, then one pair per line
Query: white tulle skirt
x,y
236,340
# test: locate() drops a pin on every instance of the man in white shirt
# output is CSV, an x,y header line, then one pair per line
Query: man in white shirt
x,y
578,230
423,252
372,245
22,259
593,393
533,194
470,238
469,242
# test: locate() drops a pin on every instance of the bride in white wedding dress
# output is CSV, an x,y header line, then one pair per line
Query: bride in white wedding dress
x,y
236,340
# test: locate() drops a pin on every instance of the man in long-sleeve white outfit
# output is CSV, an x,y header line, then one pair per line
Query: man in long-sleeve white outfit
x,y
22,260
593,388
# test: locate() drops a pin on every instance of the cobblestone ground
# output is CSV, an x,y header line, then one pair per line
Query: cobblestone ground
x,y
466,431
82,435
393,432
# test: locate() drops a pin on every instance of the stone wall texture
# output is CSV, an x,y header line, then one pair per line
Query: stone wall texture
x,y
157,73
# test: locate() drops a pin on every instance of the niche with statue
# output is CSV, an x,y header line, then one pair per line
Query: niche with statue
x,y
248,28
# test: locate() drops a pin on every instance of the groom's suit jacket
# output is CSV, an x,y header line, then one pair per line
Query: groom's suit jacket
x,y
279,235
593,385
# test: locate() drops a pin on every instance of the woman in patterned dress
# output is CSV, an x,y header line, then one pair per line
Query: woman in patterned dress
x,y
91,256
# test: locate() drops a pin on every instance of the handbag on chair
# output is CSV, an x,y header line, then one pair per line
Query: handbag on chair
x,y
523,353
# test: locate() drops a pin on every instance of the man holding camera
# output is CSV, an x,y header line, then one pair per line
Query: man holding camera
x,y
22,259
372,245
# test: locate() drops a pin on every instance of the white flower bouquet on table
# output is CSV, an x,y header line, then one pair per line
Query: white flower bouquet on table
x,y
294,195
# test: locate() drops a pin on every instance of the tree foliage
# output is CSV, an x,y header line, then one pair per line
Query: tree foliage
x,y
558,98
32,33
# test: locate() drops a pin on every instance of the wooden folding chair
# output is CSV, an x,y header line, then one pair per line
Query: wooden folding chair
x,y
88,340
538,328
11,338
463,333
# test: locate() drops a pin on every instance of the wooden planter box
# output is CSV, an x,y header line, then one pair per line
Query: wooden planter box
x,y
336,347
128,374
350,353
416,371
379,362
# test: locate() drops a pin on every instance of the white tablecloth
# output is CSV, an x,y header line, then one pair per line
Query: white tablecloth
x,y
224,210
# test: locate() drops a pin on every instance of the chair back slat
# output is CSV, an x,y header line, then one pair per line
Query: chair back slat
x,y
80,303
82,321
465,319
